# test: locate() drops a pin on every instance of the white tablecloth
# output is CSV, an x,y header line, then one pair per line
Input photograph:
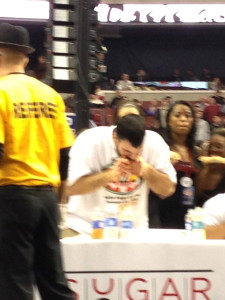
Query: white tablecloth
x,y
156,265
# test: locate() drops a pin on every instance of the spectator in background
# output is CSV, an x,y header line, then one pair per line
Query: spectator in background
x,y
102,71
216,84
97,98
141,76
217,122
99,93
141,108
162,114
34,144
125,98
71,110
176,75
211,179
41,69
125,108
222,107
117,99
153,109
202,126
70,103
211,110
219,97
125,84
203,102
190,76
206,75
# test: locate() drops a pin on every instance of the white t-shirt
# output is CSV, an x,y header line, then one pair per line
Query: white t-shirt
x,y
214,210
94,150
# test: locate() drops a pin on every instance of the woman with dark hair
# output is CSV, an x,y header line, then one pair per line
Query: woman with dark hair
x,y
211,179
180,134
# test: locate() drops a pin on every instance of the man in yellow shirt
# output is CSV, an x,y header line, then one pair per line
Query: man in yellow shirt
x,y
34,143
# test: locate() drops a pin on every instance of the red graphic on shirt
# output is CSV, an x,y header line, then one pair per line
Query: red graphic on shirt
x,y
125,185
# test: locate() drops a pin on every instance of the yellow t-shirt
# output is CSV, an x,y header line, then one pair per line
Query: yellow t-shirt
x,y
33,129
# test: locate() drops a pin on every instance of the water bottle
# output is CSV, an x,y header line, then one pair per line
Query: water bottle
x,y
97,223
111,229
198,225
126,222
188,220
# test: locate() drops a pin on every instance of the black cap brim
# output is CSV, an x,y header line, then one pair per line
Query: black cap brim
x,y
24,49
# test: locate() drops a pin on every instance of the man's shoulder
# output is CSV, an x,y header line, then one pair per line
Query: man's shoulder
x,y
151,135
98,132
154,140
97,137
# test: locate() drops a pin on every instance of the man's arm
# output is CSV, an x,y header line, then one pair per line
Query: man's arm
x,y
90,183
158,182
63,169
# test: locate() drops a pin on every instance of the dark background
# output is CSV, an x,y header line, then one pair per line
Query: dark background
x,y
158,49
161,49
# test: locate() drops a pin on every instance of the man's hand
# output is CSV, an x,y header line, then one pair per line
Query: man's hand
x,y
120,169
138,167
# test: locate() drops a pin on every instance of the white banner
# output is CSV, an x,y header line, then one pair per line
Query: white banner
x,y
161,13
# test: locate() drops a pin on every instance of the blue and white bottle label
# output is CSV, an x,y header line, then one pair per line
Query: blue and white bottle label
x,y
97,224
127,224
111,222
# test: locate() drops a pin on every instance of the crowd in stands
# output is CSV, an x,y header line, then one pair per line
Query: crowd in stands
x,y
210,111
204,122
127,82
191,129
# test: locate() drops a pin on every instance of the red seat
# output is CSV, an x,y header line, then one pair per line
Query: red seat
x,y
109,116
98,116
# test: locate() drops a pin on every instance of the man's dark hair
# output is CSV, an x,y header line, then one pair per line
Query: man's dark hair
x,y
132,128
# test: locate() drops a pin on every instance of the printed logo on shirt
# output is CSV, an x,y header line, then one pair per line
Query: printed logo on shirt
x,y
125,186
25,110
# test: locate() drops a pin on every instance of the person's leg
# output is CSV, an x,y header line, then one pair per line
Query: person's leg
x,y
49,274
17,216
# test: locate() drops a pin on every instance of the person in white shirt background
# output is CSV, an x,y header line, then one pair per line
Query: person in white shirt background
x,y
125,84
214,211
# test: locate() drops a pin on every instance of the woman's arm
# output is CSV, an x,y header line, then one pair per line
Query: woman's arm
x,y
215,231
